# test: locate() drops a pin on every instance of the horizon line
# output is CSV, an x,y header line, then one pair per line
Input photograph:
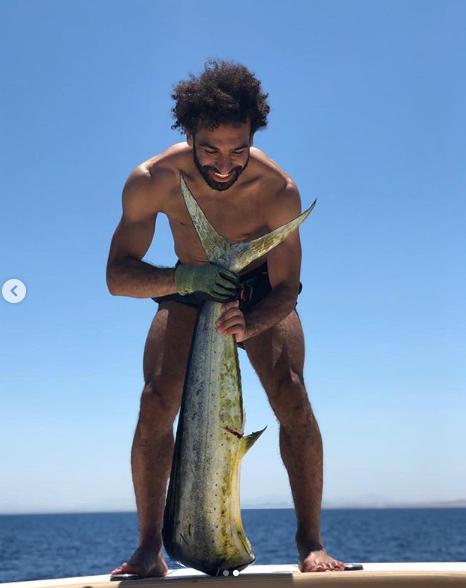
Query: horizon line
x,y
266,506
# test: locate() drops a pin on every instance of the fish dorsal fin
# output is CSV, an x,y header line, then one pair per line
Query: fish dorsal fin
x,y
244,253
248,441
215,246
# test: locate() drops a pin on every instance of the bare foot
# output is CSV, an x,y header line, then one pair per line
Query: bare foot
x,y
318,560
145,562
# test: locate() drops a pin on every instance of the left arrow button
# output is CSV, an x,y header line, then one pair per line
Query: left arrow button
x,y
14,290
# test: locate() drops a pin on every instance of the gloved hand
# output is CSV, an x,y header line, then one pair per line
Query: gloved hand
x,y
216,282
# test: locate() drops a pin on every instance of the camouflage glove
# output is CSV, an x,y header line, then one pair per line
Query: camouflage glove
x,y
216,282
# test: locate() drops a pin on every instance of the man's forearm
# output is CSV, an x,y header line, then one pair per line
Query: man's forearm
x,y
136,278
271,310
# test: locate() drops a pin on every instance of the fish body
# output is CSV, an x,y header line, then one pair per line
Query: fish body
x,y
202,520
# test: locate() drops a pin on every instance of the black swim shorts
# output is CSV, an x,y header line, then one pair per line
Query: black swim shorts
x,y
255,286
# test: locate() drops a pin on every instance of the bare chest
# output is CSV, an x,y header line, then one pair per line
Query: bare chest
x,y
237,218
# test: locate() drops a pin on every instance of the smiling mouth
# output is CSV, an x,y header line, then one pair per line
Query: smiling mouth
x,y
222,177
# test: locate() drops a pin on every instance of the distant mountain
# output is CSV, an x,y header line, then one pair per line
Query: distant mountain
x,y
283,504
433,504
376,504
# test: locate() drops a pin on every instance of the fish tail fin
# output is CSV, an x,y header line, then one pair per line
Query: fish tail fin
x,y
242,254
248,441
215,246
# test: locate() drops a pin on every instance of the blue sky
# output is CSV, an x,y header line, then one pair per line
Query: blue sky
x,y
367,115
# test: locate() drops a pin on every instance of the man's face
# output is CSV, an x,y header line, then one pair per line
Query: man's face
x,y
221,155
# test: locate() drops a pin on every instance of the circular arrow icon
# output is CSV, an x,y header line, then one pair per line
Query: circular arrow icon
x,y
14,291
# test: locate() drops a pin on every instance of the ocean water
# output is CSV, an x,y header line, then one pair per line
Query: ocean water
x,y
33,547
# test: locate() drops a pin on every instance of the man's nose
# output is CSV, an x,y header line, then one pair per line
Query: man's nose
x,y
224,165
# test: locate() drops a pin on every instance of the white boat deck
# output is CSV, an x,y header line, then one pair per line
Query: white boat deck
x,y
379,575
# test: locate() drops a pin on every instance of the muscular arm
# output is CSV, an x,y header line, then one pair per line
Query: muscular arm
x,y
127,274
284,264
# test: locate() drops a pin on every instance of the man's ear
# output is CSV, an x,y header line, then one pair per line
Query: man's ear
x,y
189,138
251,139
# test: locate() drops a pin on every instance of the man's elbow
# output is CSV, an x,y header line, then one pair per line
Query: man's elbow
x,y
288,295
292,301
112,279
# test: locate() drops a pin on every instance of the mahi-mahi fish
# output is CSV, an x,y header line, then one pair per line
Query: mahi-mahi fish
x,y
202,521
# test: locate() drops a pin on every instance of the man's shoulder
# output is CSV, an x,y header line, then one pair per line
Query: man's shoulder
x,y
275,179
154,178
281,201
166,165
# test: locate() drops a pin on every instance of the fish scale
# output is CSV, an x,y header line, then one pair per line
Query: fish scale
x,y
202,526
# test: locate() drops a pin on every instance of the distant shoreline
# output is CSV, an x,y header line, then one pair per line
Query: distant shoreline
x,y
372,506
381,506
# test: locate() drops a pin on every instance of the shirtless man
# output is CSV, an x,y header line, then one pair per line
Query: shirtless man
x,y
244,194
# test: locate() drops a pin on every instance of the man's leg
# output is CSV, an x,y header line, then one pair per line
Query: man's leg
x,y
278,358
165,359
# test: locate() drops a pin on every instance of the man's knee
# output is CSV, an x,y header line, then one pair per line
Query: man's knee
x,y
159,406
290,402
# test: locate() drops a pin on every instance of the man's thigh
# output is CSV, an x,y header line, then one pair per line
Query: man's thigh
x,y
277,356
167,347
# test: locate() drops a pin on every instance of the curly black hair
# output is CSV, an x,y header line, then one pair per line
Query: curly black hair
x,y
225,92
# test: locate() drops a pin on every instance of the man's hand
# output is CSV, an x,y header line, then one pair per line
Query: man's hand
x,y
216,282
231,321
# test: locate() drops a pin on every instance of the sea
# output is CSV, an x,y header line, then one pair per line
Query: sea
x,y
39,546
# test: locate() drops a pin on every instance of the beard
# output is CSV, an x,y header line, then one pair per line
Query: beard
x,y
205,170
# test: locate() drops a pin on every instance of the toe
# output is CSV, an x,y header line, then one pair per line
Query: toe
x,y
122,569
118,570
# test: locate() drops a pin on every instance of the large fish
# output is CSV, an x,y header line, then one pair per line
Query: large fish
x,y
202,521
